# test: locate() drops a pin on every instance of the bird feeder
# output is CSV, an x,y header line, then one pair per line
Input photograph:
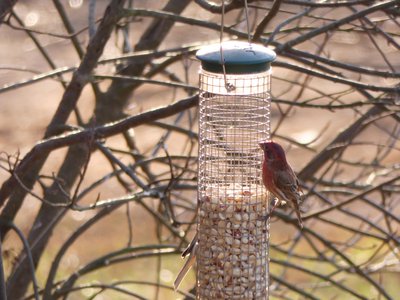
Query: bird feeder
x,y
233,228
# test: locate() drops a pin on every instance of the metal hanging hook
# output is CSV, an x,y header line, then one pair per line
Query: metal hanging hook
x,y
228,86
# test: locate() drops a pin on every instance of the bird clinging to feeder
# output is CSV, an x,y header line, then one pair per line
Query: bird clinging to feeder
x,y
279,178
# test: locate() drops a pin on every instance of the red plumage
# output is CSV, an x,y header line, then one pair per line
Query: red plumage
x,y
279,178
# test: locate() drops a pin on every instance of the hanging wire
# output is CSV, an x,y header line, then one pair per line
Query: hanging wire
x,y
228,86
246,10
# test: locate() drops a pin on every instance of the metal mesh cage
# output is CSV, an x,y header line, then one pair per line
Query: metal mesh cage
x,y
232,259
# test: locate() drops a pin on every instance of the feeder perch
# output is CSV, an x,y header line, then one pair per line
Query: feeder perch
x,y
233,231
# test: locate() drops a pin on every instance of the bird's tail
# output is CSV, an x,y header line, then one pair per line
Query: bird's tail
x,y
296,206
299,218
189,249
182,273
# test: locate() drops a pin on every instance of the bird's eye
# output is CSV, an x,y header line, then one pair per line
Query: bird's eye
x,y
269,153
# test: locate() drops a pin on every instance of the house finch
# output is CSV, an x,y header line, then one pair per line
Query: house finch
x,y
279,178
191,250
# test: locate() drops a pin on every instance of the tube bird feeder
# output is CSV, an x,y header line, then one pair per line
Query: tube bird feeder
x,y
233,228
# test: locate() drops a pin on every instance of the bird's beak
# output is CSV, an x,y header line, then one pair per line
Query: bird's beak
x,y
263,144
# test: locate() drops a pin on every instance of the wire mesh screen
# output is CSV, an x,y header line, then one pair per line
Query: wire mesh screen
x,y
233,232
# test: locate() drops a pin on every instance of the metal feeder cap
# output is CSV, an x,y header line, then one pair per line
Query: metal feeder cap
x,y
239,57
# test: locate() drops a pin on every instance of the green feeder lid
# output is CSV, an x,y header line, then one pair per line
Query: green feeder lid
x,y
239,57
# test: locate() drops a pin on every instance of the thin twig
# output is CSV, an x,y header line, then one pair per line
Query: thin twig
x,y
28,254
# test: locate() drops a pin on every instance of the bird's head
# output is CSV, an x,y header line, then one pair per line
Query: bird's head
x,y
273,151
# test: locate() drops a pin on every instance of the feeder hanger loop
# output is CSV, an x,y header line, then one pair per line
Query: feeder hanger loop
x,y
228,86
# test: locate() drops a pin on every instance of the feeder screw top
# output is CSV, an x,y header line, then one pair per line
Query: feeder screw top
x,y
239,57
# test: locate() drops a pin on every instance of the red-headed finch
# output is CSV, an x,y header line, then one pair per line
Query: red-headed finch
x,y
279,178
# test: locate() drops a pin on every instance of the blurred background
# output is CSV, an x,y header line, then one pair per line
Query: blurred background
x,y
107,213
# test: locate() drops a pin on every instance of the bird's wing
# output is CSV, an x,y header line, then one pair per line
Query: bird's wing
x,y
286,182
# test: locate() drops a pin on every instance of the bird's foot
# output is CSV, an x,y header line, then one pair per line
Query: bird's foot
x,y
273,204
264,218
